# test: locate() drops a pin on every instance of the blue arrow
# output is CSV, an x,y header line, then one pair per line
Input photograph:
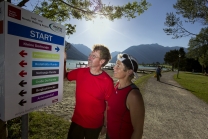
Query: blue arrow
x,y
57,49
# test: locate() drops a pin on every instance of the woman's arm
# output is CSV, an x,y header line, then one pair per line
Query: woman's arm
x,y
135,104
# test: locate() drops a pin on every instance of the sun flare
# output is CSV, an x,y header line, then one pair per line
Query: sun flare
x,y
99,27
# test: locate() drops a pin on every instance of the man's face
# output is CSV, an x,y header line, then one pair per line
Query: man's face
x,y
94,59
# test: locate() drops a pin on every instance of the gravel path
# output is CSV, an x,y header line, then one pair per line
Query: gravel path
x,y
172,112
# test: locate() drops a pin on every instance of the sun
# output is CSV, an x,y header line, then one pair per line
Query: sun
x,y
99,26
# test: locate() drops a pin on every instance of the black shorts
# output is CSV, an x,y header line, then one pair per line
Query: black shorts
x,y
78,132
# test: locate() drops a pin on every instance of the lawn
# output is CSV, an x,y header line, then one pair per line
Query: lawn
x,y
195,83
41,126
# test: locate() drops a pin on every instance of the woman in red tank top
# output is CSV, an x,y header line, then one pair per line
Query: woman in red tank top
x,y
125,113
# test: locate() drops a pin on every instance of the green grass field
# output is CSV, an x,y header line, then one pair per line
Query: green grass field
x,y
41,126
195,83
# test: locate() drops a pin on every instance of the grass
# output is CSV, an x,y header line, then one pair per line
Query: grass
x,y
195,83
142,81
41,126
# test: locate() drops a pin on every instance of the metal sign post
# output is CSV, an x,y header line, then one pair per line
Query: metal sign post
x,y
24,126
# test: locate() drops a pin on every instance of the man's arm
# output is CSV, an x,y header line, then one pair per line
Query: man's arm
x,y
65,56
103,130
135,104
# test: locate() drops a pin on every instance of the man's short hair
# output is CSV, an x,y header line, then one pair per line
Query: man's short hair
x,y
104,52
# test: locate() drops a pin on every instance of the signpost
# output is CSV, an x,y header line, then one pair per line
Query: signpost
x,y
31,61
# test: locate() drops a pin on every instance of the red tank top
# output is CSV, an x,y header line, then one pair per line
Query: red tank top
x,y
118,116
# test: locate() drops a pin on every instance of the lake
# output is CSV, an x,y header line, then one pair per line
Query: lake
x,y
71,64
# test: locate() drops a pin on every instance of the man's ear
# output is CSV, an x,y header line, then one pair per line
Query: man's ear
x,y
102,61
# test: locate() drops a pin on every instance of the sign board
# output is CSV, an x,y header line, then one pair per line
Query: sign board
x,y
31,61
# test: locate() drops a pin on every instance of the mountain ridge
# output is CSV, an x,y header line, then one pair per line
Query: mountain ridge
x,y
144,53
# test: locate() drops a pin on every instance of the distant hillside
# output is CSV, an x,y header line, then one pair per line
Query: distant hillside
x,y
148,53
82,48
74,54
86,50
113,54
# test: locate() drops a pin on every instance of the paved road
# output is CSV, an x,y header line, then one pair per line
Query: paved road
x,y
172,112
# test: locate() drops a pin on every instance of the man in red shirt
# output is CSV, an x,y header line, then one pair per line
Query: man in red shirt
x,y
125,112
93,88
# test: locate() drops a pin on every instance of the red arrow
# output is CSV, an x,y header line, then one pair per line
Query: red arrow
x,y
22,63
22,73
22,53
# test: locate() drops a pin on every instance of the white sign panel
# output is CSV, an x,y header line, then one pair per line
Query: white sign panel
x,y
32,66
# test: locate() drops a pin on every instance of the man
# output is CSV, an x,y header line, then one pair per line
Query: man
x,y
93,88
158,73
125,114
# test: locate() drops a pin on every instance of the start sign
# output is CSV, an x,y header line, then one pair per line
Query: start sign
x,y
31,61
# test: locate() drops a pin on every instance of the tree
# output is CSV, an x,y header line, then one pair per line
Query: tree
x,y
192,11
172,57
62,11
198,48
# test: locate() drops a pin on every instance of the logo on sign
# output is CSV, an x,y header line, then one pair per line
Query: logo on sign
x,y
14,12
55,28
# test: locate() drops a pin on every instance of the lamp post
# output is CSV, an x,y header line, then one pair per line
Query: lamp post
x,y
178,64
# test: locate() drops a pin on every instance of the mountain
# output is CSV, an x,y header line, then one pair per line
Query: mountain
x,y
82,48
148,53
113,54
144,53
74,54
86,50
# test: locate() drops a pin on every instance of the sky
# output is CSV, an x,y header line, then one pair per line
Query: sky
x,y
120,34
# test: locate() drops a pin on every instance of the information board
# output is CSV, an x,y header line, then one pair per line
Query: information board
x,y
31,61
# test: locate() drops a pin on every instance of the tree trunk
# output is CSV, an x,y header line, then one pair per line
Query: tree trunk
x,y
202,69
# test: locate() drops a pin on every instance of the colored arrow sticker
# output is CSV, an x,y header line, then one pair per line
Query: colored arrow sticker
x,y
44,64
45,55
57,49
45,96
44,80
22,63
44,72
22,102
22,93
22,83
22,53
44,88
34,45
23,73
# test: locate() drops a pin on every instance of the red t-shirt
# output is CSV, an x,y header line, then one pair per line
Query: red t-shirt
x,y
119,124
91,93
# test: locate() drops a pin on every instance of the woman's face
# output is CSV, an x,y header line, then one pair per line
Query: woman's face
x,y
119,71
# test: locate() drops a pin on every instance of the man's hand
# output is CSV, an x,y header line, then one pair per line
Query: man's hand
x,y
65,56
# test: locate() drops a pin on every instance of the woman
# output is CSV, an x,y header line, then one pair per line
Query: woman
x,y
125,113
